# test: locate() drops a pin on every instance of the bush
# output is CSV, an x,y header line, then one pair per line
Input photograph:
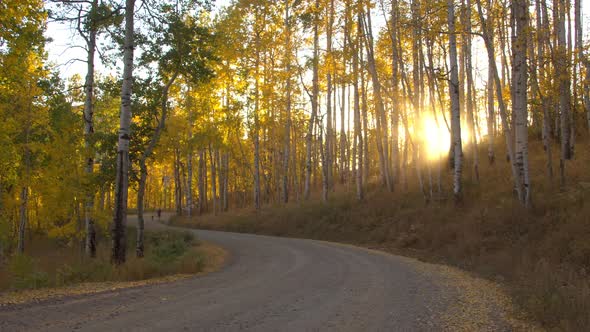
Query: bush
x,y
167,247
24,273
168,252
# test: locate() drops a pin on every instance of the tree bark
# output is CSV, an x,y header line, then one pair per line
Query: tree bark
x,y
257,123
491,117
90,243
177,183
212,157
287,142
189,159
470,87
358,138
564,88
325,188
118,231
329,109
394,16
541,76
455,107
380,118
314,102
519,104
225,201
201,175
189,184
345,48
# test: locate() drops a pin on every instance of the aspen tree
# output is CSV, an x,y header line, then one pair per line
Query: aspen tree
x,y
519,103
314,101
455,107
123,164
90,243
380,116
358,138
470,87
329,108
202,187
540,75
563,78
287,143
189,156
256,135
516,176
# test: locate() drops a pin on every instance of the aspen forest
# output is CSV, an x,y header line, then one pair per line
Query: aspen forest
x,y
456,130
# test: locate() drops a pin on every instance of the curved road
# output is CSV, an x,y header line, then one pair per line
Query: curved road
x,y
268,284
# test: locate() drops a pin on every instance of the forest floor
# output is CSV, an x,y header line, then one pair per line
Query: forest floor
x,y
53,270
541,255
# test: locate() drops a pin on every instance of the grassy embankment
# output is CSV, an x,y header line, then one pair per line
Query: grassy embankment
x,y
52,268
542,255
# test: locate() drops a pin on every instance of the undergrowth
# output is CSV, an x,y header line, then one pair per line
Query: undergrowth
x,y
167,252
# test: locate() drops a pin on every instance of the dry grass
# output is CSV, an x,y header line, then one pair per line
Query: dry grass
x,y
542,254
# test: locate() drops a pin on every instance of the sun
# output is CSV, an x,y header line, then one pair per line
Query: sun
x,y
436,137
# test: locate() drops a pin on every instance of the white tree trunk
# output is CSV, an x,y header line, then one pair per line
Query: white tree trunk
x,y
122,178
380,116
257,127
90,243
189,160
519,103
287,143
177,183
564,87
470,95
213,158
314,103
502,107
358,138
202,186
455,107
329,109
491,116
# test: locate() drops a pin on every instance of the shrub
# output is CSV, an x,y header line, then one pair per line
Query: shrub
x,y
168,251
24,273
